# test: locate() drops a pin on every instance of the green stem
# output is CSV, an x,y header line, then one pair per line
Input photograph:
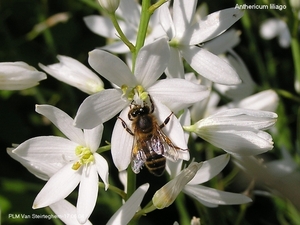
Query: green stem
x,y
296,58
148,208
104,148
156,5
288,95
131,182
122,36
142,30
241,215
114,189
147,11
181,208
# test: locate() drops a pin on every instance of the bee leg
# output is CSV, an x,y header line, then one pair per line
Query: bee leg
x,y
125,126
166,121
152,104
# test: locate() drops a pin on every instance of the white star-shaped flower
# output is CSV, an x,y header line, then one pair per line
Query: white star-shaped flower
x,y
184,34
174,94
74,158
19,76
151,61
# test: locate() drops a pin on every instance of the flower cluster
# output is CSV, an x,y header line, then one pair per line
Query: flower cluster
x,y
160,98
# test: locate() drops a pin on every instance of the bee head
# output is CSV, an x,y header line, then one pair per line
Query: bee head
x,y
138,110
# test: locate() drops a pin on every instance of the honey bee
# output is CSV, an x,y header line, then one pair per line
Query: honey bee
x,y
151,146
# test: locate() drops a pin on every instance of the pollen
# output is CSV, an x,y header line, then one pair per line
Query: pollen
x,y
85,157
131,93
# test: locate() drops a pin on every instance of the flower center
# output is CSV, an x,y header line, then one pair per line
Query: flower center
x,y
85,157
130,93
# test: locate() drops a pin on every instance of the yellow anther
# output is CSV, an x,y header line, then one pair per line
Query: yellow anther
x,y
85,157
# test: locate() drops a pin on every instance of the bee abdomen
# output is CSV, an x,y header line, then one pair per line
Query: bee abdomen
x,y
156,164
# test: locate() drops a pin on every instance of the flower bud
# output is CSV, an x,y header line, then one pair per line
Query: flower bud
x,y
19,76
165,196
109,5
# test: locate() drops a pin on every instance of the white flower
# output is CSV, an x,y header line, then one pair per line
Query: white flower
x,y
109,5
74,73
66,212
75,158
174,94
19,76
276,27
152,59
237,131
131,206
188,181
129,12
184,34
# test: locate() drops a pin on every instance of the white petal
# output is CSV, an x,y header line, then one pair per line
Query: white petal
x,y
175,65
173,168
151,62
285,38
214,24
183,14
99,108
58,187
111,68
19,76
100,25
41,170
239,141
127,211
210,66
266,100
242,90
215,196
256,119
116,47
102,169
62,121
121,142
185,120
74,73
130,11
224,42
66,212
270,28
177,93
47,149
210,169
93,137
87,194
166,20
103,26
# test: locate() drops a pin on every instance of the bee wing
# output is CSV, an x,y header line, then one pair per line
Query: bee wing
x,y
170,151
138,157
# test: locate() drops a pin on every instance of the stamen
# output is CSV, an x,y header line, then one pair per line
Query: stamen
x,y
85,157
